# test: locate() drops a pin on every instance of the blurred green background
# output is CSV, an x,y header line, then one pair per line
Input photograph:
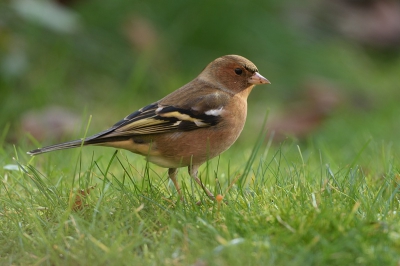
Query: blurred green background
x,y
334,67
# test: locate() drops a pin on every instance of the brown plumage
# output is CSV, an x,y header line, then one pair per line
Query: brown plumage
x,y
189,126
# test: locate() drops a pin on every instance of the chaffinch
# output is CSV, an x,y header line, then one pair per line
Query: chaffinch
x,y
189,126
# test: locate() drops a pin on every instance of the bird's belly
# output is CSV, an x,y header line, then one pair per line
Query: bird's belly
x,y
192,147
165,162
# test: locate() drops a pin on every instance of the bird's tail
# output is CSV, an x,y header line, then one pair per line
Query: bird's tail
x,y
93,140
61,146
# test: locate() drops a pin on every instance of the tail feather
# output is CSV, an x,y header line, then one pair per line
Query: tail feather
x,y
61,146
77,143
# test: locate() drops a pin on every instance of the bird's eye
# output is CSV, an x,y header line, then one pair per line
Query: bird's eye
x,y
238,71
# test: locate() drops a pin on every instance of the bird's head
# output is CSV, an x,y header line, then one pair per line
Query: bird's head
x,y
234,73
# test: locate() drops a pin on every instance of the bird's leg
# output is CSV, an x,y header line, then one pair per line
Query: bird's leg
x,y
172,175
193,170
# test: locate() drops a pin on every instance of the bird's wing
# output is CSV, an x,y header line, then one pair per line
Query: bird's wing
x,y
156,118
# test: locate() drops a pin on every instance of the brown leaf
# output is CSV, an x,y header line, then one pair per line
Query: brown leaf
x,y
77,199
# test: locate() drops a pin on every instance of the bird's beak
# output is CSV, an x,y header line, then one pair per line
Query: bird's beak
x,y
258,79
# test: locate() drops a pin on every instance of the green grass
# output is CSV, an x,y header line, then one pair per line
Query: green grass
x,y
291,207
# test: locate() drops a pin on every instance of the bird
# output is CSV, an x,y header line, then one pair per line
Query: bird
x,y
189,126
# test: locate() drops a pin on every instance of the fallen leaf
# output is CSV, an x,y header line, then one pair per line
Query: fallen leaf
x,y
77,199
